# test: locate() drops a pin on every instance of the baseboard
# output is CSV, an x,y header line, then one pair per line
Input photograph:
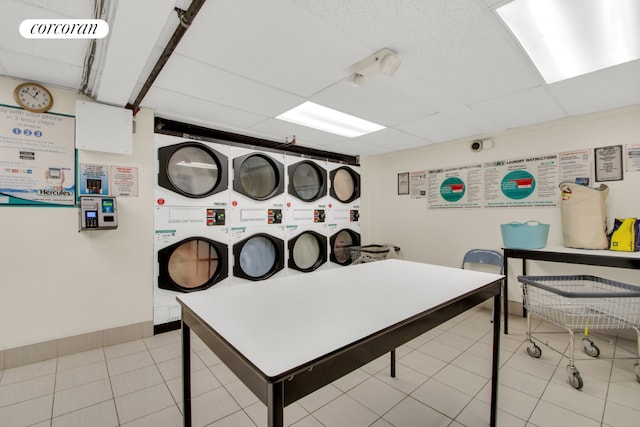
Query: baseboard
x,y
19,356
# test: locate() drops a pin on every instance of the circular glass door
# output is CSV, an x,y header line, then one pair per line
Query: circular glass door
x,y
192,264
307,181
258,176
307,251
192,169
341,243
345,184
258,257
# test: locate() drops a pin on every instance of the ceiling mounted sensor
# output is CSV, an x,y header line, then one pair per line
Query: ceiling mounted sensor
x,y
384,61
481,144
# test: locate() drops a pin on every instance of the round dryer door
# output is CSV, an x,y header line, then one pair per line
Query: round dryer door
x,y
345,184
307,251
192,264
258,176
340,246
192,169
258,257
307,181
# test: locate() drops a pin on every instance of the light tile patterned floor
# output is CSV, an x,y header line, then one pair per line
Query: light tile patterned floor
x,y
443,379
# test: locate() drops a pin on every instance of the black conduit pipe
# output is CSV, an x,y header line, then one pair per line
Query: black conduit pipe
x,y
186,19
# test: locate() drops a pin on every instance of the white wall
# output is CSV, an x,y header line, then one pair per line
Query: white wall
x,y
442,236
57,282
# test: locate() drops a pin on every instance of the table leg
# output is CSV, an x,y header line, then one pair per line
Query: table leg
x,y
524,273
186,374
505,294
495,363
393,363
275,404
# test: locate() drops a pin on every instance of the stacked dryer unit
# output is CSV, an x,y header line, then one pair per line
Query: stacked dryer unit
x,y
306,215
190,220
256,215
344,212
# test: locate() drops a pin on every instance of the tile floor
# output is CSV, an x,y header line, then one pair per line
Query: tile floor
x,y
442,380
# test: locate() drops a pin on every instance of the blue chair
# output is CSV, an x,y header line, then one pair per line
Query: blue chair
x,y
484,256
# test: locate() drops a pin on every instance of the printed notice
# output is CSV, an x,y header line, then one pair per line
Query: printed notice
x,y
608,163
94,179
575,166
524,182
633,158
455,187
37,158
418,184
124,181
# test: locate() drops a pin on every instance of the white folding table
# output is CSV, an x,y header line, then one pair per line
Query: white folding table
x,y
285,338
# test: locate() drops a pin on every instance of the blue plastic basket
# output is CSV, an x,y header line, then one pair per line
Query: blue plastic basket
x,y
524,235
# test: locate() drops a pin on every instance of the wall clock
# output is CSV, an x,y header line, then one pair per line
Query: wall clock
x,y
33,97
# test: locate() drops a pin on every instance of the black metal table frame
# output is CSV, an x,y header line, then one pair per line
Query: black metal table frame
x,y
563,257
278,392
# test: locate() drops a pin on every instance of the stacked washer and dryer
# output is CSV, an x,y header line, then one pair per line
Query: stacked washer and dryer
x,y
226,215
191,228
344,222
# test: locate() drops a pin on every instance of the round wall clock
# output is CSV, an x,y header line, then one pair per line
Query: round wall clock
x,y
33,97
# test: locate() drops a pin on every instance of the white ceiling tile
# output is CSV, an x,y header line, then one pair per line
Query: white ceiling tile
x,y
382,100
62,8
390,23
394,139
275,42
357,147
62,50
28,67
601,90
121,70
520,109
438,128
190,77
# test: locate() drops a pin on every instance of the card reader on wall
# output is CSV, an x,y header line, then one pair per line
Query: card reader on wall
x,y
98,213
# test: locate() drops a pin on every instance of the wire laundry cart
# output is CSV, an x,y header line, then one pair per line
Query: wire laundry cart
x,y
581,303
369,253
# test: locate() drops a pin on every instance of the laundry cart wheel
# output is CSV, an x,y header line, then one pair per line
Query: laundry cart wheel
x,y
534,350
574,377
590,348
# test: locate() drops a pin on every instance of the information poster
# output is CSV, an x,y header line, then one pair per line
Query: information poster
x,y
456,187
608,163
94,179
124,181
575,166
633,158
524,182
418,184
37,158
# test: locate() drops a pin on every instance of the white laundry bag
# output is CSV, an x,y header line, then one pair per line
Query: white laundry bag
x,y
584,216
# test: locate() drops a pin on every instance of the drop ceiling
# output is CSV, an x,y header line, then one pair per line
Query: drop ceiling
x,y
241,63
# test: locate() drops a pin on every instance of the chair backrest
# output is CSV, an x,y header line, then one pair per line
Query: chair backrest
x,y
483,256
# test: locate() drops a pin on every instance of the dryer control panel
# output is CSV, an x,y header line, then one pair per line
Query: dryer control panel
x,y
98,213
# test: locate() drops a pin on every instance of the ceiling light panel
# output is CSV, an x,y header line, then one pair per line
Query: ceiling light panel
x,y
328,120
568,38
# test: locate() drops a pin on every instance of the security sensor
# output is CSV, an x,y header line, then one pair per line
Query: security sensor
x,y
481,144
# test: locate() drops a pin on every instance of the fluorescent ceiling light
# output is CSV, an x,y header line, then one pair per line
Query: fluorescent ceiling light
x,y
568,38
328,120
